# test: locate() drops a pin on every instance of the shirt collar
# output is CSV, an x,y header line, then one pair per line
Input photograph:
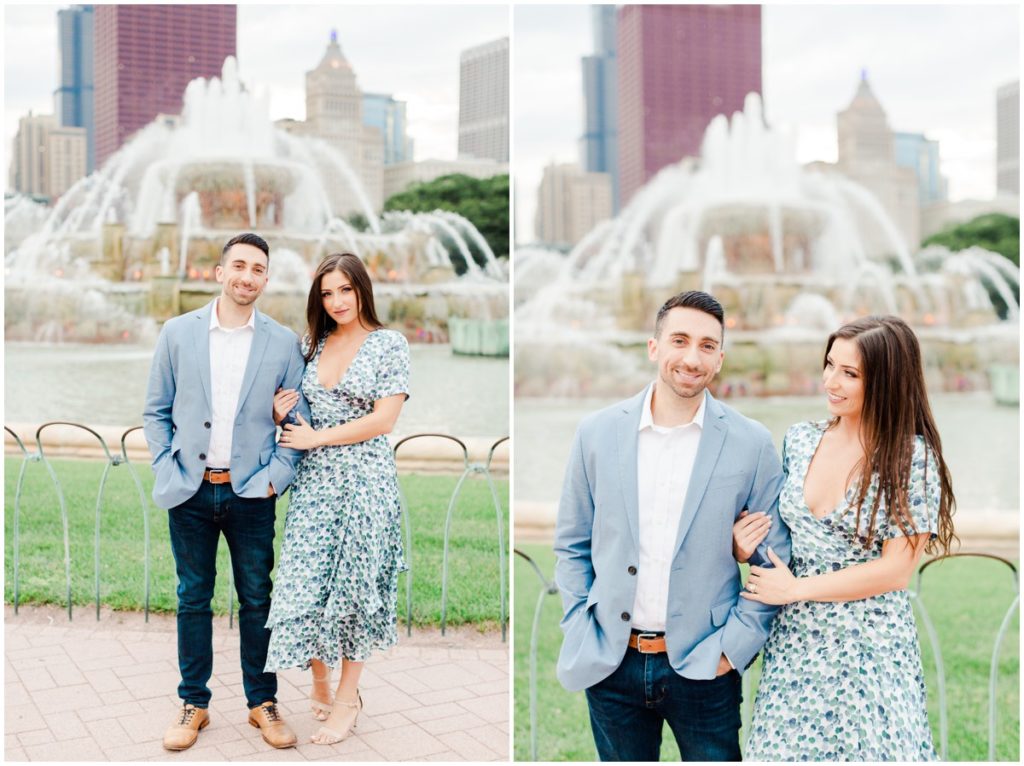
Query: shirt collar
x,y
647,417
216,325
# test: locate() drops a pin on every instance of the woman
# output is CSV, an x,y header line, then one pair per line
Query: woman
x,y
335,592
865,493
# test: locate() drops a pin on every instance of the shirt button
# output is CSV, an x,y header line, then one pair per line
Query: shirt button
x,y
625,616
631,570
202,456
206,424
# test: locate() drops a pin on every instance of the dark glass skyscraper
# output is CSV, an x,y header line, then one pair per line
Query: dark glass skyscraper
x,y
146,55
73,99
598,145
382,111
678,67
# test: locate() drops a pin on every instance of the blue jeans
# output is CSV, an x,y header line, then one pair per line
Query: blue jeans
x,y
248,527
629,707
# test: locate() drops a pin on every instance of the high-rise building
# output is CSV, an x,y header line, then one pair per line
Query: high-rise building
x,y
598,145
679,66
382,111
145,55
570,202
1008,139
921,154
73,99
66,158
867,155
47,157
28,171
334,113
483,101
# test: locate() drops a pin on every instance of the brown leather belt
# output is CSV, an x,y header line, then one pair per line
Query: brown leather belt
x,y
217,476
647,643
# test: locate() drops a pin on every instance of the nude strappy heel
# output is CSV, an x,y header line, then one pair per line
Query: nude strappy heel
x,y
321,710
332,737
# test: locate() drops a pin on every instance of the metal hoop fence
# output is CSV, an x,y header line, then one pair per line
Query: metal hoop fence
x,y
548,588
114,460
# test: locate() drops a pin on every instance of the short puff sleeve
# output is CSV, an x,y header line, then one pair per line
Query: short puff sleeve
x,y
923,493
392,367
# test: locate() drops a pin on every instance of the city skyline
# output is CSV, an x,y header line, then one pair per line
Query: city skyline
x,y
935,70
274,53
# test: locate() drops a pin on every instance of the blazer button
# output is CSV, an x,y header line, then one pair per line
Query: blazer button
x,y
206,424
631,570
625,616
202,456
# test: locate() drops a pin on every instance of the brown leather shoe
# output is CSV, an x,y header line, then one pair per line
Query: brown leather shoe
x,y
275,731
184,732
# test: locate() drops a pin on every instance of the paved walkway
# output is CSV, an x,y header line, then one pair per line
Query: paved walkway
x,y
88,691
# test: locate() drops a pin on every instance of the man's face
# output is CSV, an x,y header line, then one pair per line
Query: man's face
x,y
243,274
688,351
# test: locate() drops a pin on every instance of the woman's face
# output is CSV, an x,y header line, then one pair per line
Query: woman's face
x,y
843,378
340,299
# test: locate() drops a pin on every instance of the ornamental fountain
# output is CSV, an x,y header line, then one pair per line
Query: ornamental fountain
x,y
790,252
137,241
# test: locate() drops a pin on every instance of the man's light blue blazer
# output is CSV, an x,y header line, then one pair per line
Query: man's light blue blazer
x,y
178,412
596,544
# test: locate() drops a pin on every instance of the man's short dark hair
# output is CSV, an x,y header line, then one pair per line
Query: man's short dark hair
x,y
691,299
247,239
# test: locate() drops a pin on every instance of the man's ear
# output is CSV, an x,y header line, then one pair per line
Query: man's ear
x,y
652,349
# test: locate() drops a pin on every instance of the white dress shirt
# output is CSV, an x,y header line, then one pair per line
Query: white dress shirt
x,y
229,354
665,458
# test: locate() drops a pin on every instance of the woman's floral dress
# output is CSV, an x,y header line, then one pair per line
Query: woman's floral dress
x,y
843,681
335,592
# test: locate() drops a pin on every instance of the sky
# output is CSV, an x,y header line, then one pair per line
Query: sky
x,y
934,68
410,51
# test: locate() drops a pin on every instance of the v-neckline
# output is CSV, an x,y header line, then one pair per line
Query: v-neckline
x,y
344,374
803,485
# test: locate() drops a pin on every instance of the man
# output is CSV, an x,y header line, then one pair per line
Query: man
x,y
209,423
654,629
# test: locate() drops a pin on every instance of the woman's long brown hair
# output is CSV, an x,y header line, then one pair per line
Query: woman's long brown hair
x,y
318,322
895,411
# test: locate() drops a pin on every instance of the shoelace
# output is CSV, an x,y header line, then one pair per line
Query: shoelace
x,y
271,710
187,714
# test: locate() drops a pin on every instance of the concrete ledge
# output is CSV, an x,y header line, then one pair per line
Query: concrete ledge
x,y
979,531
426,455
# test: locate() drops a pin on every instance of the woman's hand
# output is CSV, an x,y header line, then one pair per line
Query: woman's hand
x,y
775,585
301,435
284,400
749,532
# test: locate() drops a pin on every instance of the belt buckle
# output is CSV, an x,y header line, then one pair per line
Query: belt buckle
x,y
645,636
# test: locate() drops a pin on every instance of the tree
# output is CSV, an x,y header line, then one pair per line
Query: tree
x,y
483,201
993,231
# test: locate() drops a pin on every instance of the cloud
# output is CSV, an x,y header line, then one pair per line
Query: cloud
x,y
934,68
412,50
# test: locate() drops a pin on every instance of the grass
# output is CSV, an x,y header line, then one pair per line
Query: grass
x,y
966,600
473,592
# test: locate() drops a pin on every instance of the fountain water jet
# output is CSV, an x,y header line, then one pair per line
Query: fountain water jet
x,y
785,249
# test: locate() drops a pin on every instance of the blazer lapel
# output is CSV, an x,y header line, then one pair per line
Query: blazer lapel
x,y
201,344
711,441
626,447
260,339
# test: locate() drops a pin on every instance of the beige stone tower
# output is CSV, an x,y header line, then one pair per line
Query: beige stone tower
x,y
867,156
334,112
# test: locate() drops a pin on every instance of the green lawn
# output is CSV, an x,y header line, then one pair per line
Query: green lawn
x,y
966,600
473,592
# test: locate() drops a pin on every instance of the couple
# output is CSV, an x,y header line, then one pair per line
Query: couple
x,y
223,377
665,492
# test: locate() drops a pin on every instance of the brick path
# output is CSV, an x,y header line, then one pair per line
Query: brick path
x,y
89,690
